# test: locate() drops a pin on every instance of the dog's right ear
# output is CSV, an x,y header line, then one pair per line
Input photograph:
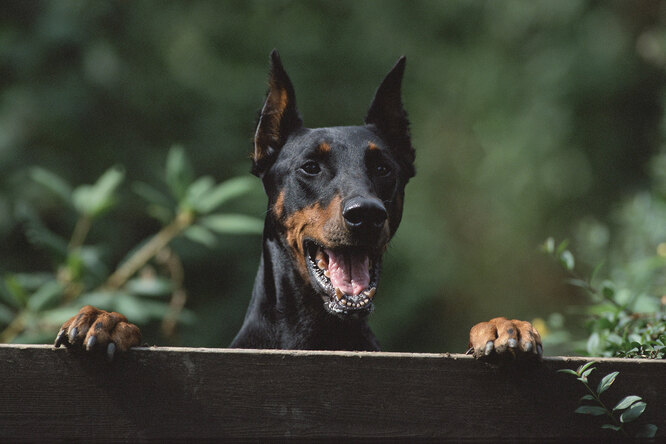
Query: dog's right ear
x,y
279,118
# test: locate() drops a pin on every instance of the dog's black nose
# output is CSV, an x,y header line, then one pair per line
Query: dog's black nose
x,y
364,213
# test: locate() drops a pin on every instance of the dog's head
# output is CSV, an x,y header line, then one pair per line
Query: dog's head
x,y
335,194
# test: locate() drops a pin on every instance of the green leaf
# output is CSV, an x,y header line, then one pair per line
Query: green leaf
x,y
586,398
593,343
152,195
605,324
57,316
131,307
140,310
52,182
578,283
596,270
201,235
37,234
567,260
591,410
549,245
94,200
47,296
626,402
584,367
606,382
608,290
633,412
647,431
568,371
101,299
612,427
561,247
197,190
92,262
179,173
587,372
233,224
162,214
223,193
149,286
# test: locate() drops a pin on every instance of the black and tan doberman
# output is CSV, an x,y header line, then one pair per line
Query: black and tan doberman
x,y
335,199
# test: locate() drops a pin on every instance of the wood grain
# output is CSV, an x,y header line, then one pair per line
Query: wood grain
x,y
186,393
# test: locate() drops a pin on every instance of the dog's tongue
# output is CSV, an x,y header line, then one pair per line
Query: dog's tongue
x,y
349,272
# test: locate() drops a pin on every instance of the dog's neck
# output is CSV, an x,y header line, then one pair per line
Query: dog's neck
x,y
286,313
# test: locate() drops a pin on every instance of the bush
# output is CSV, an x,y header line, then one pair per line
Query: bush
x,y
145,286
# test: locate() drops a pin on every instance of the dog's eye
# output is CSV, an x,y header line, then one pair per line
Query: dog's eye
x,y
311,167
380,170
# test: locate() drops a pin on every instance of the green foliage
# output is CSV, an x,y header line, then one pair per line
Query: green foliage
x,y
627,410
622,321
526,117
147,285
92,201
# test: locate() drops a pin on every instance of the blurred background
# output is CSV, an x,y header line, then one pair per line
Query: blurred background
x,y
530,119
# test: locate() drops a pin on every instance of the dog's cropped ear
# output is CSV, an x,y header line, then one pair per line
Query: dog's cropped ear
x,y
388,115
279,117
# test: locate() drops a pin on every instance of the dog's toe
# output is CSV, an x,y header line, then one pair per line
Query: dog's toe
x,y
501,337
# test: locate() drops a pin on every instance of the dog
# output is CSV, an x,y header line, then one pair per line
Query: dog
x,y
335,199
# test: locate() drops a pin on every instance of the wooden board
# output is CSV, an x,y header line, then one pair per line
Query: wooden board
x,y
187,393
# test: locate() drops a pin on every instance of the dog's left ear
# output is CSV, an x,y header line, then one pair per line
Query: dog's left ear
x,y
388,115
279,118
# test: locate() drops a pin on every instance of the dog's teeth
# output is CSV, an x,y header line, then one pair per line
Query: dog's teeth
x,y
343,302
370,293
362,303
326,273
321,264
338,294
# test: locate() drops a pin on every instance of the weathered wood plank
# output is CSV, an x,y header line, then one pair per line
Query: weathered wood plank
x,y
172,393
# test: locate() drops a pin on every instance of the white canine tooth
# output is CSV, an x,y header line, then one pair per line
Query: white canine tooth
x,y
343,302
326,273
338,294
370,293
362,303
321,264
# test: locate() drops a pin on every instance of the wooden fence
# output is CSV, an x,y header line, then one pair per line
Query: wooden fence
x,y
171,394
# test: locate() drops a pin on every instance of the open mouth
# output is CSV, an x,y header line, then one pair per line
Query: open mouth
x,y
347,277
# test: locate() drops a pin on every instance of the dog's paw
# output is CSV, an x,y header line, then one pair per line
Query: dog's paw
x,y
501,337
93,328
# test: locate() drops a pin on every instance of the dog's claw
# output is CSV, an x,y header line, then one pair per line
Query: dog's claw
x,y
489,348
72,335
60,339
92,329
